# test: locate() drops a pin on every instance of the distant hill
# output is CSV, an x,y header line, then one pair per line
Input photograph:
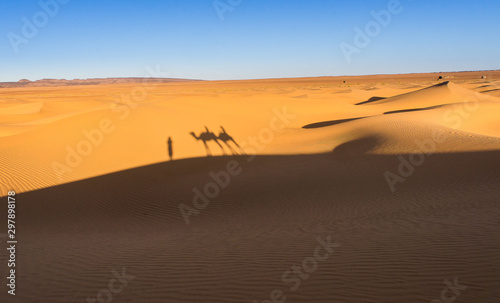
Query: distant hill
x,y
91,81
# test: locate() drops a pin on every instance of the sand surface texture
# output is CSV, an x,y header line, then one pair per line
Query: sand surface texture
x,y
379,189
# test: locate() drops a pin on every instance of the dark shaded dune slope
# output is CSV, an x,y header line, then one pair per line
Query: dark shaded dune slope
x,y
442,222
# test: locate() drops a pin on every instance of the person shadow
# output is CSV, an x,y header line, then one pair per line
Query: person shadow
x,y
170,148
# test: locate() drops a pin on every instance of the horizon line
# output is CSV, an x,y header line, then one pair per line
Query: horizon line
x,y
247,79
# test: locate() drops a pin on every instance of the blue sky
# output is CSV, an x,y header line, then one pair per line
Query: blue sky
x,y
256,39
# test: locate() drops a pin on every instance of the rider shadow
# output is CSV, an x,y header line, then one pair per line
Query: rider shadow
x,y
223,136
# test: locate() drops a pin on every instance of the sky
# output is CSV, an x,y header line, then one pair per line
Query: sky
x,y
244,39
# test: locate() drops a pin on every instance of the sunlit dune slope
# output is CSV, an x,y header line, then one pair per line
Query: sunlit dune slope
x,y
54,135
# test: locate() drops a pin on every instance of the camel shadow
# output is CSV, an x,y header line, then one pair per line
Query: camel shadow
x,y
223,136
226,138
206,137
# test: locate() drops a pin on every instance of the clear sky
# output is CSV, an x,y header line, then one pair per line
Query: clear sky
x,y
256,39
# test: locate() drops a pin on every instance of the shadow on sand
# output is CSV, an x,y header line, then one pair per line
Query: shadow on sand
x,y
223,136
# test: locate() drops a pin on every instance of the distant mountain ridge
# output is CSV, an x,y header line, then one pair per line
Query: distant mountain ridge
x,y
90,81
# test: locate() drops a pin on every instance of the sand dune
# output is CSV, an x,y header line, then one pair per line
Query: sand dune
x,y
140,125
442,223
400,172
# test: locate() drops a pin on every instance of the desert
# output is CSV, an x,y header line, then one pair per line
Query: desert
x,y
234,151
376,188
